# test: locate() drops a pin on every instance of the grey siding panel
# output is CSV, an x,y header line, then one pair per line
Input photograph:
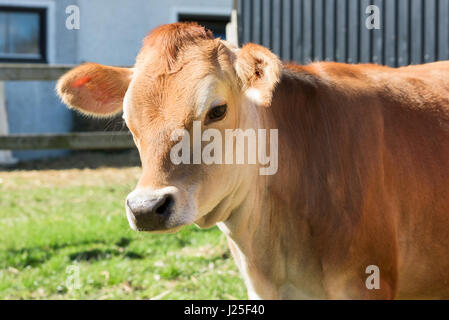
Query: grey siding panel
x,y
286,29
341,30
365,33
266,23
276,27
416,32
390,34
297,30
443,29
307,31
329,33
257,21
377,37
318,35
430,31
412,31
403,33
353,31
247,26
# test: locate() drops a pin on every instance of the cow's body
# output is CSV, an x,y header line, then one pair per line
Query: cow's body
x,y
363,180
363,177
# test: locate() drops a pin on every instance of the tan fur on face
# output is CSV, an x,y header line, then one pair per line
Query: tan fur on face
x,y
166,95
164,45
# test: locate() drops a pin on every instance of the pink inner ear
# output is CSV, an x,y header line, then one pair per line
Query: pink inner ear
x,y
81,81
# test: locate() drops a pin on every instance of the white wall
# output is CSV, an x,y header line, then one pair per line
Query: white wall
x,y
112,30
32,106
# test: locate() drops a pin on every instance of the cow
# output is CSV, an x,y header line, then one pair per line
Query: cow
x,y
359,205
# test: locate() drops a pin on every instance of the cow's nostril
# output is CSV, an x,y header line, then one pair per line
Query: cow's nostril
x,y
165,205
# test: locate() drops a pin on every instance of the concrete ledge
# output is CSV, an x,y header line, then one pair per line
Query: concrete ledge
x,y
69,141
32,72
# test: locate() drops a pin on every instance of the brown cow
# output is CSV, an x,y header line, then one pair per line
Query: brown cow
x,y
363,178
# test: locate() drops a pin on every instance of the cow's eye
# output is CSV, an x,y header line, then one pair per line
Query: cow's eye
x,y
216,113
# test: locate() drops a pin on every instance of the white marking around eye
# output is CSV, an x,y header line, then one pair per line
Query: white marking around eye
x,y
207,96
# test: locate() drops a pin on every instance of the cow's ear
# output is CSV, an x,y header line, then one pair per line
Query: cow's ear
x,y
259,72
95,89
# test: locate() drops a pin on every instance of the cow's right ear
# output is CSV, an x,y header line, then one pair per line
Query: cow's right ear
x,y
259,72
95,89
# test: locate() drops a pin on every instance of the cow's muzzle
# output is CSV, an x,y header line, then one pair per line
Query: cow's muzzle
x,y
152,210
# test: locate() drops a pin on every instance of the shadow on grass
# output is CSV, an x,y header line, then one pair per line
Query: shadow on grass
x,y
34,256
102,254
94,254
23,257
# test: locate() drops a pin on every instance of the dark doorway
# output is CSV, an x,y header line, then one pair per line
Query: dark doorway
x,y
216,24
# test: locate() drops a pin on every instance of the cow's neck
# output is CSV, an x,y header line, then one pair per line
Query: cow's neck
x,y
269,230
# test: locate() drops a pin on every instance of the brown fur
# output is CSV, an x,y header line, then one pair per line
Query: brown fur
x,y
367,149
363,162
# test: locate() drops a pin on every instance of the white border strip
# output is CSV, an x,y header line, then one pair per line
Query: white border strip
x,y
6,157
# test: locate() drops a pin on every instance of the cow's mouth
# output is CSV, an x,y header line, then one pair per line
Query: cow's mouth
x,y
166,231
156,225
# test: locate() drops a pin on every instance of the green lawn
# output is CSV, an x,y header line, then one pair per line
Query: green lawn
x,y
58,224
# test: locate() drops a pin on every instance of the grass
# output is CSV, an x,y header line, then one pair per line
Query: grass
x,y
65,227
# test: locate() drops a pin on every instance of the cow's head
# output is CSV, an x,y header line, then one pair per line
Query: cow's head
x,y
182,74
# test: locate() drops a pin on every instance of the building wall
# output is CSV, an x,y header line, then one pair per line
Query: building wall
x,y
33,106
411,31
111,32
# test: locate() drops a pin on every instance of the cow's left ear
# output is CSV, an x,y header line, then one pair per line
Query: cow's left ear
x,y
259,71
95,89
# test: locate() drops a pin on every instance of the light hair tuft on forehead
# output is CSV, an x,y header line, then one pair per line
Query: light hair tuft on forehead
x,y
170,39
